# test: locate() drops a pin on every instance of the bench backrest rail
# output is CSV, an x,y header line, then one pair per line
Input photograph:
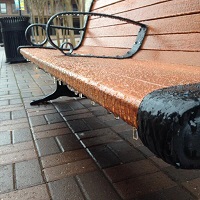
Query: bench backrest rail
x,y
173,29
134,49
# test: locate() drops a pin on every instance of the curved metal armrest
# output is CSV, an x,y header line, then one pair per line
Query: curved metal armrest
x,y
136,46
47,27
29,31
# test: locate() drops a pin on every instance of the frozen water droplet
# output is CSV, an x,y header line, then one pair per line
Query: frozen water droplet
x,y
93,103
54,80
178,164
76,92
109,112
117,117
135,134
186,93
193,124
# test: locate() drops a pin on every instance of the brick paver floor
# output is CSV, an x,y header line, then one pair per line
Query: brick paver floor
x,y
71,149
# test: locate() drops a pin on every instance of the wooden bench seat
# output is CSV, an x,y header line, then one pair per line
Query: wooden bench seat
x,y
167,66
117,85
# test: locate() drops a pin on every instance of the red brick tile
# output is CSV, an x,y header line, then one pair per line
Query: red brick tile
x,y
104,156
13,124
41,112
10,108
62,106
16,147
49,127
11,127
21,135
95,133
4,102
193,186
98,111
11,96
89,142
68,142
130,170
181,175
125,151
5,116
28,173
75,112
41,108
69,169
159,162
174,193
75,105
53,118
66,188
52,133
16,114
78,116
37,120
15,101
78,125
47,146
5,138
128,136
65,157
6,178
94,123
19,156
36,192
143,185
95,186
122,128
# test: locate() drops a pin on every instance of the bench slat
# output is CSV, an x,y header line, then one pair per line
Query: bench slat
x,y
178,24
160,10
171,42
173,57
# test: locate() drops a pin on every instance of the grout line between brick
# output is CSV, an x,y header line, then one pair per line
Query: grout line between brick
x,y
14,177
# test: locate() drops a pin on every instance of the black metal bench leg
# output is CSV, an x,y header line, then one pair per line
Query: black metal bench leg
x,y
61,90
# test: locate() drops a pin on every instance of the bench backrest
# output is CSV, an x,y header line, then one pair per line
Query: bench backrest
x,y
173,29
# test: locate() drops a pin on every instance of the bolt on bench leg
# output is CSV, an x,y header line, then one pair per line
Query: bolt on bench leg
x,y
61,90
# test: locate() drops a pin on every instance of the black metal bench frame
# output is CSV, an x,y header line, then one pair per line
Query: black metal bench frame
x,y
171,134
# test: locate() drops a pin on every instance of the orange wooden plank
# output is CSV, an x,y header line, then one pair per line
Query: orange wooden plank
x,y
124,5
173,57
116,30
178,24
173,42
161,10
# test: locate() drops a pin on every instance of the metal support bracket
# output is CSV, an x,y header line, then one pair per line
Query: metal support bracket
x,y
61,90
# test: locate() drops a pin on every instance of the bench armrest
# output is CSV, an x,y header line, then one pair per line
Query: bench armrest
x,y
135,48
28,33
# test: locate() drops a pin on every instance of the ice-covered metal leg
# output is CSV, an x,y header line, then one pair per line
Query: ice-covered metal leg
x,y
61,90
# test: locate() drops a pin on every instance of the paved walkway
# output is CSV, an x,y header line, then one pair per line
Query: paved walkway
x,y
71,149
